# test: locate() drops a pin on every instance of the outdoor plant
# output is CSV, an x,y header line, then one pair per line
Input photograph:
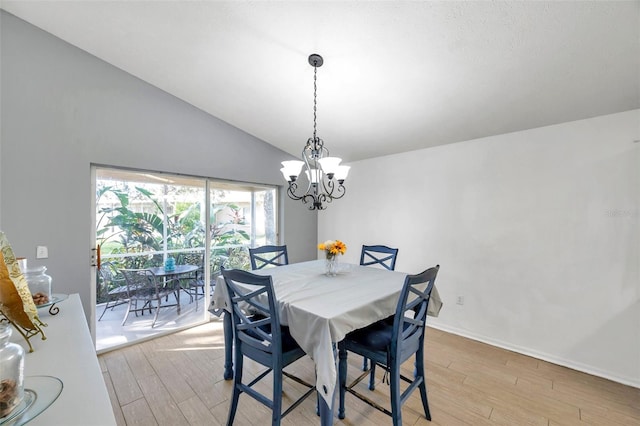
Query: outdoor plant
x,y
122,230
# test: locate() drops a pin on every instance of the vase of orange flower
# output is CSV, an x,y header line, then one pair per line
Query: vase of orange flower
x,y
331,249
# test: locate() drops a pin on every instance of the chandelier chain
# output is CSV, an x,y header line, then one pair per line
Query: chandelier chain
x,y
315,99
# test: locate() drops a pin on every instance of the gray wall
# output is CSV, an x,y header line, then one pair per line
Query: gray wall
x,y
63,109
538,230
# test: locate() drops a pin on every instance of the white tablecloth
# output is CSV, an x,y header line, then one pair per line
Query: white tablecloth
x,y
321,310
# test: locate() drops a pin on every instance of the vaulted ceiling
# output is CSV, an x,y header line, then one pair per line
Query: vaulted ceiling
x,y
397,76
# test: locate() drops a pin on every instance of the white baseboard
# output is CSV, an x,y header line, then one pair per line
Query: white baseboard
x,y
539,355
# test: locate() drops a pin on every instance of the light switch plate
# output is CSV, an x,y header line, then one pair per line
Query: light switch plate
x,y
42,252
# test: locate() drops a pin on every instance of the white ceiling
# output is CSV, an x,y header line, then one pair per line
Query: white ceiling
x,y
398,76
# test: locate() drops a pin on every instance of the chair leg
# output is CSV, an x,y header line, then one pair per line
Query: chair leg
x,y
396,392
423,385
127,313
365,364
228,345
372,376
342,378
276,412
237,380
196,297
188,292
106,306
155,317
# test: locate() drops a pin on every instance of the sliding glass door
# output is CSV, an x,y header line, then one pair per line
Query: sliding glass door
x,y
143,218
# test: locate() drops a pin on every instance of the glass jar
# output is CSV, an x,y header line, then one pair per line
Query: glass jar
x,y
11,372
39,284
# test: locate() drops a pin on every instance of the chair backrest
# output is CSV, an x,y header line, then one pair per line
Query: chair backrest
x,y
268,255
109,272
141,283
409,321
255,319
191,258
379,255
110,277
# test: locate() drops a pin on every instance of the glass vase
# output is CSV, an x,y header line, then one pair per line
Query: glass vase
x,y
170,264
331,266
11,372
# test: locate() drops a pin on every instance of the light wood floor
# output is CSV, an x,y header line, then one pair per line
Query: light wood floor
x,y
177,380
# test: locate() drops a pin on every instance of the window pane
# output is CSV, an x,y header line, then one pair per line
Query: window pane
x,y
142,218
265,218
241,217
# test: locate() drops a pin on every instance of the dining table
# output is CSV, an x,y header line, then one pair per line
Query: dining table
x,y
320,310
172,275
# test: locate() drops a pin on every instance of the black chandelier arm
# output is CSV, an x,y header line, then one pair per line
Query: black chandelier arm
x,y
293,188
314,199
315,203
291,191
334,191
319,199
341,190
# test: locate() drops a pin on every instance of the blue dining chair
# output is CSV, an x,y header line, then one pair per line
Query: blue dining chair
x,y
385,257
268,255
258,335
390,345
379,255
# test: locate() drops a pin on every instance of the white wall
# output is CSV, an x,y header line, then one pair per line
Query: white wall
x,y
63,109
538,230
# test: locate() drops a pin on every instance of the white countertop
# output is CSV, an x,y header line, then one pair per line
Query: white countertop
x,y
68,354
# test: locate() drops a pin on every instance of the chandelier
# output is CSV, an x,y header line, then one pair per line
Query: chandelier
x,y
324,174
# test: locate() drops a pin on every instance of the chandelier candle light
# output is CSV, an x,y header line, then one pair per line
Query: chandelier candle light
x,y
324,174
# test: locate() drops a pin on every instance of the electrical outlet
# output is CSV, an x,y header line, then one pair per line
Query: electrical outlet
x,y
42,252
460,300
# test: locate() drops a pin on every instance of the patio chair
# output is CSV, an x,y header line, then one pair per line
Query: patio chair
x,y
389,346
194,282
112,287
143,287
